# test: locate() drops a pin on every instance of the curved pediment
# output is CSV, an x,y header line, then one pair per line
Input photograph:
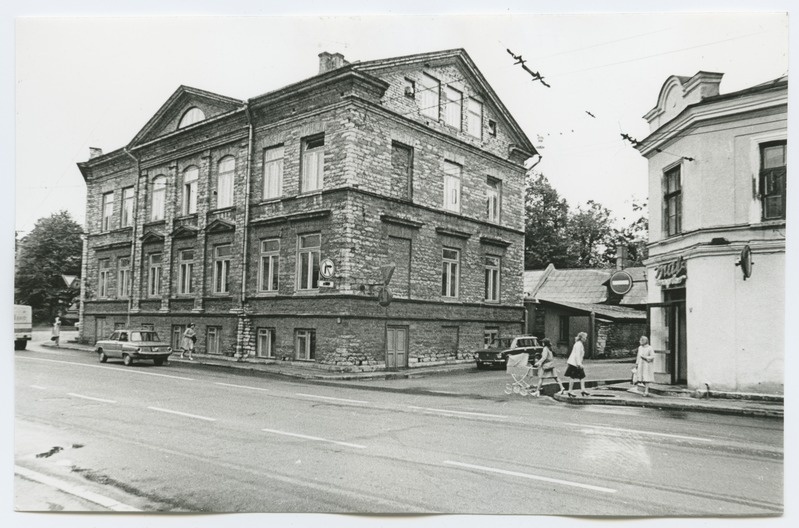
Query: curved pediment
x,y
679,92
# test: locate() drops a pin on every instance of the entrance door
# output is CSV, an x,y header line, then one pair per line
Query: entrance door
x,y
396,347
667,335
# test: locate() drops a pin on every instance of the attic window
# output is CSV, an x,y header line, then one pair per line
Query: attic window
x,y
192,115
492,127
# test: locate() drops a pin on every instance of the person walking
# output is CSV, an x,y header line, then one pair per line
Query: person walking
x,y
189,338
644,364
56,331
546,367
574,365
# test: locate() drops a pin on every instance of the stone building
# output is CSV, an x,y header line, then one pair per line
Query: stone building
x,y
717,201
271,223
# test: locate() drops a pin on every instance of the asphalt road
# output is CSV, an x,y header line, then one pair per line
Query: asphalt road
x,y
185,438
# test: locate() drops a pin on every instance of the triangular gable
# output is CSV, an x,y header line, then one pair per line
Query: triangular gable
x,y
152,236
167,118
219,225
183,232
471,75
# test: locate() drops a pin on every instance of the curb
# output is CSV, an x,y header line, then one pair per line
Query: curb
x,y
74,490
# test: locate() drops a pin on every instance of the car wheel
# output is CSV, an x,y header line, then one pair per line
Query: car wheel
x,y
158,362
127,360
102,356
480,366
20,344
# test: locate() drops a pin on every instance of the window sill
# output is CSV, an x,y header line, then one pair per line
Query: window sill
x,y
268,201
315,192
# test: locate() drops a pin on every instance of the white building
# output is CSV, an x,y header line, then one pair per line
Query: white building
x,y
717,197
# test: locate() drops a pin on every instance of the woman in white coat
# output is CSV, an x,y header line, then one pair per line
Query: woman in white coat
x,y
574,365
644,364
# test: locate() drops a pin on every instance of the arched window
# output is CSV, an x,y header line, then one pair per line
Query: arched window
x,y
192,115
158,198
190,176
224,186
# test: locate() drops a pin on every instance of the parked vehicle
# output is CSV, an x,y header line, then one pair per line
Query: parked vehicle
x,y
496,355
23,326
70,316
133,345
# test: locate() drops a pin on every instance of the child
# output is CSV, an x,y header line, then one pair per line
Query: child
x,y
546,367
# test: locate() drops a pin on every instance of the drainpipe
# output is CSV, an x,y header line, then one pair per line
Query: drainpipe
x,y
135,220
245,225
540,157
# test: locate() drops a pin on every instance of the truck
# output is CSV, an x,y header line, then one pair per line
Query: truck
x,y
23,326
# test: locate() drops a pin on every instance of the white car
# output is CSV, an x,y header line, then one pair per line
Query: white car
x,y
130,345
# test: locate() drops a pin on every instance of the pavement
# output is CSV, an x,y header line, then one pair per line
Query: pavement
x,y
608,383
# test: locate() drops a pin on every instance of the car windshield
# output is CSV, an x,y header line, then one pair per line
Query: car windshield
x,y
504,342
144,336
527,342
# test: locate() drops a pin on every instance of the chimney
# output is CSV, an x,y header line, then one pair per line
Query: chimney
x,y
622,257
95,152
330,61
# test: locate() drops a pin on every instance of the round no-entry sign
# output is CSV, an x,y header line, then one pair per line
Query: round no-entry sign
x,y
621,282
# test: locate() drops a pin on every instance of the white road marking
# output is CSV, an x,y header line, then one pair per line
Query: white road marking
x,y
625,411
183,414
72,489
330,398
531,477
590,429
241,386
90,398
464,413
126,370
38,387
306,437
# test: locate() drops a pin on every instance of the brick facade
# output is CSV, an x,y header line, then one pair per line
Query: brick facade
x,y
380,202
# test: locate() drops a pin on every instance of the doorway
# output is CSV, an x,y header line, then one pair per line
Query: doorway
x,y
396,347
668,335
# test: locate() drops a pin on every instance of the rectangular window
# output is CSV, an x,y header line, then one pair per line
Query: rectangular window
x,y
305,344
213,339
563,329
154,275
127,207
265,343
313,162
453,107
492,268
158,198
773,176
190,177
222,268
148,326
108,211
270,265
308,262
490,337
452,187
177,336
185,271
123,277
474,118
672,202
429,94
225,181
273,172
450,275
493,199
104,278
401,170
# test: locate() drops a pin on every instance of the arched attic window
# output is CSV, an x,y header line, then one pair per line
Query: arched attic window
x,y
192,115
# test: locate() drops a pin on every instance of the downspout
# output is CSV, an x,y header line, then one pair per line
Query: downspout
x,y
540,157
245,225
135,221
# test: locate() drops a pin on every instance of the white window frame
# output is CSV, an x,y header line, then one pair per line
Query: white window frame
x,y
450,273
452,186
265,342
308,257
474,118
453,107
313,163
104,267
493,199
191,116
123,277
190,178
273,172
185,272
107,211
155,265
213,339
270,257
158,199
128,200
490,336
304,344
222,257
493,270
224,182
429,100
756,208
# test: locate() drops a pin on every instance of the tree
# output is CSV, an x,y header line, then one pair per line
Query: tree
x,y
590,234
52,249
546,217
634,236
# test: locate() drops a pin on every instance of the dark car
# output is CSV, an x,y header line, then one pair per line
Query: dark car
x,y
133,345
496,354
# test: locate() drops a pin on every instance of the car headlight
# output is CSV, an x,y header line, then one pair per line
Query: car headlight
x,y
169,349
138,350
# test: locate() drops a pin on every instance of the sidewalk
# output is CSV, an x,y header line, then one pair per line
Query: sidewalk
x,y
607,384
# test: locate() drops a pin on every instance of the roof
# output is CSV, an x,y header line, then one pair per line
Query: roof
x,y
583,286
607,311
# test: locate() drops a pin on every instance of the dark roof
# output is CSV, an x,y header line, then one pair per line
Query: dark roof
x,y
586,286
606,311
